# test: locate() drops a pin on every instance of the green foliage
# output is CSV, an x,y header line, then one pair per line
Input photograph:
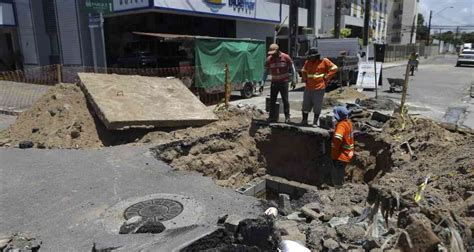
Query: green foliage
x,y
345,32
421,28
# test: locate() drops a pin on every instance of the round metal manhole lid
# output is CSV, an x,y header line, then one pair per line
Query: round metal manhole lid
x,y
156,209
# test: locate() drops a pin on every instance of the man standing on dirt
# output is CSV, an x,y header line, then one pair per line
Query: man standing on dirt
x,y
342,145
316,73
280,66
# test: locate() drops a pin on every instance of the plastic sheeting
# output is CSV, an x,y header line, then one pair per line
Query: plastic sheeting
x,y
246,61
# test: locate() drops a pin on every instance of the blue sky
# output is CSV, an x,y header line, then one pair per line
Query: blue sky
x,y
461,14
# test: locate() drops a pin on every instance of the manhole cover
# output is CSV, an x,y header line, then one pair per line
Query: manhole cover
x,y
157,209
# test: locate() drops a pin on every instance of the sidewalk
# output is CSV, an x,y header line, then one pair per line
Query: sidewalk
x,y
16,97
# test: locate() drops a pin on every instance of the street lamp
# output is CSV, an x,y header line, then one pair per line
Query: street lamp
x,y
429,23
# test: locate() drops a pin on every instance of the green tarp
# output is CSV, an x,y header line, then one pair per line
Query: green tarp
x,y
245,58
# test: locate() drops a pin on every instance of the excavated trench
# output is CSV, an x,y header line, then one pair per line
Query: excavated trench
x,y
237,156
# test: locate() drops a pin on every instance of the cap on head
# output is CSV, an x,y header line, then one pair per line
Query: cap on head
x,y
340,113
313,52
274,48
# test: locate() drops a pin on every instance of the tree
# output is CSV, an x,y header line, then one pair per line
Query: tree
x,y
467,37
345,32
421,28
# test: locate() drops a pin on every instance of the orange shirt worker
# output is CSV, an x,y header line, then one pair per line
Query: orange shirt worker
x,y
342,145
316,73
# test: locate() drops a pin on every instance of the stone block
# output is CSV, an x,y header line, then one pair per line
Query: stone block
x,y
232,222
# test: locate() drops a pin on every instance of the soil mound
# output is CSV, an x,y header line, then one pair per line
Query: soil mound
x,y
381,103
225,150
60,119
347,93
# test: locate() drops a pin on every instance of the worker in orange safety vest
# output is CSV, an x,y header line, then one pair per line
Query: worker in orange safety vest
x,y
316,73
342,145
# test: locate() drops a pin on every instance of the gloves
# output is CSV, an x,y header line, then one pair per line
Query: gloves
x,y
293,85
262,84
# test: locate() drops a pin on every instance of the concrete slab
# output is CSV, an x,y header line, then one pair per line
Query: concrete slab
x,y
72,199
129,101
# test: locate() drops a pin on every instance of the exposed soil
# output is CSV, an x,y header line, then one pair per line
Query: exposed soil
x,y
346,93
60,119
225,150
381,103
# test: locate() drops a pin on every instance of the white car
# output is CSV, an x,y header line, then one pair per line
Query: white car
x,y
466,57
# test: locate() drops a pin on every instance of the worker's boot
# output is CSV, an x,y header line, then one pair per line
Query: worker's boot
x,y
315,120
304,122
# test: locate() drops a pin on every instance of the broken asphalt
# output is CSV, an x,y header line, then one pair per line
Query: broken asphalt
x,y
68,199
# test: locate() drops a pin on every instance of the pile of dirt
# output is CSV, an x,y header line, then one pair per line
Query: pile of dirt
x,y
381,103
345,94
60,119
224,150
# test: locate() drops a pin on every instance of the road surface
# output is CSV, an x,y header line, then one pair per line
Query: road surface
x,y
439,91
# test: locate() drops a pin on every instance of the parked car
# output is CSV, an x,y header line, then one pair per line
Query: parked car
x,y
466,57
137,59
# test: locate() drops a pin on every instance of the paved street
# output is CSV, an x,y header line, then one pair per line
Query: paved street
x,y
71,199
17,96
439,90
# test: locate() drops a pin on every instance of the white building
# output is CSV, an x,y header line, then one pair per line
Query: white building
x,y
352,17
403,16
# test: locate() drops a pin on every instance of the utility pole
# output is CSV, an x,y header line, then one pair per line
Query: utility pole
x,y
456,36
366,23
412,32
337,19
293,32
429,29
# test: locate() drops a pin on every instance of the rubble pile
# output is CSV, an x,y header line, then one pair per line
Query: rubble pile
x,y
390,205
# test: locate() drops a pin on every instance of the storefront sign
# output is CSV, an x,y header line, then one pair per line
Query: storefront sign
x,y
122,5
99,6
247,9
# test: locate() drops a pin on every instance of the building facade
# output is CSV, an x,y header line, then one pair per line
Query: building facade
x,y
352,17
9,42
70,32
402,21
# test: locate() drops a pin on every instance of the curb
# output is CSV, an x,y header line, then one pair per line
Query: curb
x,y
10,112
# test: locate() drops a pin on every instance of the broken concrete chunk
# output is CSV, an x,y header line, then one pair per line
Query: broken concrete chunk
x,y
357,211
34,130
421,236
337,221
296,216
284,206
311,213
26,144
289,231
131,225
151,227
315,206
232,222
377,116
349,232
330,244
